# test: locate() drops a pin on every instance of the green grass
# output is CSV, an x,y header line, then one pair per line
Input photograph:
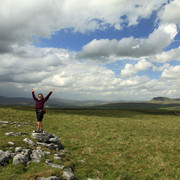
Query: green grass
x,y
115,144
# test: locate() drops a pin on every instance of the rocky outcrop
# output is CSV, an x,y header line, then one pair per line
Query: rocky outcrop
x,y
34,153
48,140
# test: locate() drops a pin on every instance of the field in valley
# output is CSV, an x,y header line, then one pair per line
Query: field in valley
x,y
105,144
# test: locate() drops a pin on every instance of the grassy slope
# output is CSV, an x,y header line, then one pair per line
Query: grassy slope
x,y
115,144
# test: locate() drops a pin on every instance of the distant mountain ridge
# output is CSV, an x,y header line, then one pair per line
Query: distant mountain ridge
x,y
164,99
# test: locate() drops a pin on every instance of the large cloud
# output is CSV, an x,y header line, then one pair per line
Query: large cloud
x,y
173,54
24,67
71,78
171,13
22,21
130,69
130,47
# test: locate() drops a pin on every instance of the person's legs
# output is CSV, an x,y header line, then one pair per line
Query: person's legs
x,y
38,123
39,120
41,126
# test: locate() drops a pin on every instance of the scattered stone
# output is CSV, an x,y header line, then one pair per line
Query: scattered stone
x,y
46,152
48,162
9,134
4,122
28,141
15,134
4,157
57,158
36,155
18,149
93,179
49,178
83,161
20,159
21,133
59,155
11,143
68,175
15,122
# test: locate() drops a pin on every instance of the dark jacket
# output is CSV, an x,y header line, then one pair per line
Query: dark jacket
x,y
40,103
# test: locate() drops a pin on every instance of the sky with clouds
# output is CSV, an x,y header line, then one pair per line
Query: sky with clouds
x,y
90,50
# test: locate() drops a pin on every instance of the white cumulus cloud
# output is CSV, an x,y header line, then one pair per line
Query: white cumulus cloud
x,y
131,47
131,70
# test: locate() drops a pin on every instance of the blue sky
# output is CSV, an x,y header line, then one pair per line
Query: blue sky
x,y
103,50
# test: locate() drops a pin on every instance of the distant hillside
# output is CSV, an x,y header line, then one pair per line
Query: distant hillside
x,y
155,103
52,102
161,99
165,99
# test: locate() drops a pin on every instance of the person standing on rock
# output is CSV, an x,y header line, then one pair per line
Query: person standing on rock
x,y
40,111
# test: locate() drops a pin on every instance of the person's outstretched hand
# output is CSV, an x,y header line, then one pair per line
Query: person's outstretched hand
x,y
52,90
32,90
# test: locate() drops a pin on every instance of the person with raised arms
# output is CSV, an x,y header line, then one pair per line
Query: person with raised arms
x,y
39,107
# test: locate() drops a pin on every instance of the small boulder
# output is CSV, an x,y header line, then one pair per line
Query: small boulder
x,y
68,175
36,155
29,142
11,143
9,134
4,157
20,159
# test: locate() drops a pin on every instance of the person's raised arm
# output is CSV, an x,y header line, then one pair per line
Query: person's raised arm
x,y
47,97
33,95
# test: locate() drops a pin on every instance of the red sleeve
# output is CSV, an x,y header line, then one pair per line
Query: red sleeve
x,y
47,97
34,97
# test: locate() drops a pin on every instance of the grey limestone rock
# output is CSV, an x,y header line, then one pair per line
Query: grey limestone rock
x,y
4,122
49,178
11,143
59,155
68,175
4,157
48,140
46,152
29,142
20,159
48,162
42,137
9,134
36,155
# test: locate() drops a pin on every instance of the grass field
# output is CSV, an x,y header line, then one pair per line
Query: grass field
x,y
104,144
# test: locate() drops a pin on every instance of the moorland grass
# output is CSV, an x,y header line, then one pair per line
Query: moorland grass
x,y
104,144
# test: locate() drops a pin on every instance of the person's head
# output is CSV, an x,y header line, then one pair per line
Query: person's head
x,y
40,96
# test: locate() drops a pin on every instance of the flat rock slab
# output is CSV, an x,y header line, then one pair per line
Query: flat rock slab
x,y
29,142
4,122
48,162
49,178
